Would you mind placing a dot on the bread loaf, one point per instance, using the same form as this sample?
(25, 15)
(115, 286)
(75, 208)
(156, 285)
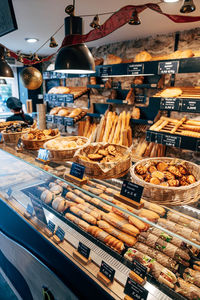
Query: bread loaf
(90, 219)
(75, 113)
(112, 59)
(84, 225)
(59, 90)
(142, 56)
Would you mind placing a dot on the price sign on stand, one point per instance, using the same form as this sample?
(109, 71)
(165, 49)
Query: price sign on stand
(168, 67)
(60, 233)
(132, 191)
(107, 271)
(77, 170)
(190, 105)
(43, 155)
(173, 141)
(135, 290)
(135, 69)
(139, 269)
(83, 250)
(51, 226)
(141, 99)
(38, 208)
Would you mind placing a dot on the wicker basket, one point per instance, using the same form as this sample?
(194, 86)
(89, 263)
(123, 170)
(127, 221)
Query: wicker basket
(170, 196)
(36, 144)
(104, 170)
(12, 137)
(59, 155)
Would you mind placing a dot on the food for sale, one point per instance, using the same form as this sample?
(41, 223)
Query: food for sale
(188, 290)
(171, 92)
(84, 225)
(143, 56)
(59, 90)
(183, 220)
(63, 143)
(16, 127)
(192, 276)
(80, 213)
(38, 135)
(112, 59)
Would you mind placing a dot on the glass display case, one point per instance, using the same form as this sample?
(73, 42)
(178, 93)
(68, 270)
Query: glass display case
(116, 250)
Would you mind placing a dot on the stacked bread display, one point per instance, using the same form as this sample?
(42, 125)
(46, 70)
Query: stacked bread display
(76, 91)
(75, 113)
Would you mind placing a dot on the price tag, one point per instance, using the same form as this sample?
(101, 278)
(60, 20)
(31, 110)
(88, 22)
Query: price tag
(170, 104)
(60, 233)
(9, 192)
(135, 69)
(139, 269)
(43, 154)
(132, 191)
(105, 71)
(173, 141)
(19, 143)
(59, 120)
(190, 105)
(134, 290)
(51, 226)
(83, 250)
(68, 121)
(38, 208)
(168, 67)
(29, 209)
(141, 99)
(108, 271)
(77, 170)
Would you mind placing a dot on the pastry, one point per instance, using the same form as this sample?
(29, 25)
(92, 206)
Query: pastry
(95, 157)
(59, 90)
(130, 96)
(82, 224)
(80, 213)
(181, 54)
(59, 204)
(142, 56)
(188, 290)
(75, 113)
(55, 110)
(47, 196)
(135, 113)
(162, 166)
(155, 181)
(112, 59)
(171, 93)
(63, 112)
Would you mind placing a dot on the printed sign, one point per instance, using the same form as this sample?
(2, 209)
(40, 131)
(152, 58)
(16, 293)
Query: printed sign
(105, 71)
(68, 121)
(83, 250)
(190, 105)
(168, 67)
(49, 118)
(132, 191)
(60, 233)
(135, 69)
(139, 269)
(59, 120)
(170, 104)
(77, 170)
(173, 141)
(108, 271)
(134, 290)
(51, 226)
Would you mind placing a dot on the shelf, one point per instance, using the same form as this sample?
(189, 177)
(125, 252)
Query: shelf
(49, 75)
(173, 140)
(191, 105)
(117, 101)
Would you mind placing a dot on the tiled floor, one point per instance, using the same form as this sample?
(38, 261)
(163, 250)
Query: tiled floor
(5, 291)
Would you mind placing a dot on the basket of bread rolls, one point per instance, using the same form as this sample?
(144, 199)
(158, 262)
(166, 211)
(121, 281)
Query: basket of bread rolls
(168, 181)
(64, 147)
(104, 160)
(14, 131)
(35, 139)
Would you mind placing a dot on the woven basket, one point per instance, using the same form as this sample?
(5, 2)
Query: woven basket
(36, 144)
(12, 137)
(59, 155)
(104, 170)
(170, 196)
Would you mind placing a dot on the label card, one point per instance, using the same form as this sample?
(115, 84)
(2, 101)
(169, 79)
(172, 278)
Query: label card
(139, 269)
(60, 233)
(68, 121)
(51, 226)
(83, 250)
(59, 120)
(135, 69)
(190, 105)
(77, 170)
(105, 71)
(170, 104)
(134, 290)
(38, 208)
(43, 154)
(168, 67)
(132, 191)
(141, 99)
(29, 209)
(49, 118)
(173, 141)
(106, 270)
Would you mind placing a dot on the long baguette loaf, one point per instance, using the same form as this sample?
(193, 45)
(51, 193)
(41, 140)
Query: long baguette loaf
(84, 225)
(116, 137)
(74, 197)
(89, 211)
(108, 126)
(169, 238)
(154, 207)
(113, 129)
(90, 219)
(101, 129)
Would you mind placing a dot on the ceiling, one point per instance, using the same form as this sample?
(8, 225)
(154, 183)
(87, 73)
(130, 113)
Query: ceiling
(41, 18)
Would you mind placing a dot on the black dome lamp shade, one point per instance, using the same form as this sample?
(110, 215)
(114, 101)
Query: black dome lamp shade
(5, 69)
(75, 59)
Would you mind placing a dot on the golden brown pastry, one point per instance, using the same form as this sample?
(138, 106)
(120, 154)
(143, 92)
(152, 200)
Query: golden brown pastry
(162, 166)
(75, 113)
(142, 56)
(112, 59)
(59, 90)
(181, 54)
(55, 110)
(155, 181)
(63, 112)
(135, 113)
(171, 92)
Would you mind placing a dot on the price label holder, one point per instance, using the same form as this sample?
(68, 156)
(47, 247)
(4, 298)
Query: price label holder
(59, 235)
(168, 67)
(49, 230)
(106, 273)
(43, 156)
(130, 194)
(29, 212)
(135, 69)
(135, 290)
(82, 253)
(59, 120)
(138, 272)
(76, 174)
(170, 104)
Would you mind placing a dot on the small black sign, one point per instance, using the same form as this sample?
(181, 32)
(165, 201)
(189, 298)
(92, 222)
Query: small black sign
(108, 271)
(190, 105)
(51, 226)
(168, 67)
(139, 269)
(83, 250)
(132, 191)
(68, 121)
(141, 99)
(59, 120)
(149, 136)
(134, 290)
(29, 209)
(49, 118)
(77, 170)
(170, 140)
(43, 154)
(38, 208)
(60, 233)
(135, 69)
(170, 104)
(105, 71)
(19, 143)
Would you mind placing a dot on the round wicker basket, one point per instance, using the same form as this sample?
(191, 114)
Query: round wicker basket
(106, 170)
(58, 155)
(36, 144)
(170, 196)
(12, 137)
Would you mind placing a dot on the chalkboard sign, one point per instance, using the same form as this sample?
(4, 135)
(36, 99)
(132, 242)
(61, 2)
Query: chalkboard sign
(68, 121)
(83, 250)
(60, 233)
(49, 118)
(51, 226)
(43, 154)
(139, 269)
(140, 99)
(131, 190)
(105, 71)
(19, 143)
(168, 67)
(170, 104)
(134, 290)
(173, 141)
(77, 170)
(108, 271)
(135, 69)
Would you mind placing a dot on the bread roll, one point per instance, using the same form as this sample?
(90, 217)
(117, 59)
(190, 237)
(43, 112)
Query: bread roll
(47, 196)
(181, 54)
(84, 225)
(171, 92)
(63, 112)
(90, 219)
(55, 110)
(74, 198)
(130, 96)
(59, 204)
(59, 90)
(112, 59)
(142, 56)
(75, 113)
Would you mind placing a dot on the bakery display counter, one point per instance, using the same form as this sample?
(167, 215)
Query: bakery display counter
(102, 236)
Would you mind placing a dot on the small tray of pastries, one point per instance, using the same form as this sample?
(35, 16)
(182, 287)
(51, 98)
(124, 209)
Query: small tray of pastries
(104, 160)
(72, 113)
(168, 181)
(34, 139)
(76, 91)
(64, 147)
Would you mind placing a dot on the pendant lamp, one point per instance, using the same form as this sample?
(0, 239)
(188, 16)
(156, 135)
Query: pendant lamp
(187, 7)
(75, 59)
(5, 69)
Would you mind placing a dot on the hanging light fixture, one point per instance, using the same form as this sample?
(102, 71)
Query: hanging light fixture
(5, 69)
(95, 23)
(75, 59)
(187, 7)
(53, 43)
(135, 20)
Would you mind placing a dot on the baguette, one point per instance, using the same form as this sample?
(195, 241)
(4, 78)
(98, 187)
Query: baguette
(129, 136)
(113, 129)
(101, 129)
(84, 225)
(108, 126)
(90, 219)
(169, 238)
(90, 210)
(163, 275)
(154, 207)
(138, 223)
(74, 198)
(116, 137)
(75, 113)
